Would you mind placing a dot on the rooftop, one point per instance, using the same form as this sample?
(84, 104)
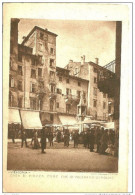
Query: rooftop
(37, 28)
(59, 69)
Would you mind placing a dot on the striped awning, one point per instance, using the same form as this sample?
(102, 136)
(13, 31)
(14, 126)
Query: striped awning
(30, 119)
(67, 120)
(14, 116)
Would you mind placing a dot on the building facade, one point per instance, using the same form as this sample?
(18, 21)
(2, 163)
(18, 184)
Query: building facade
(100, 105)
(56, 94)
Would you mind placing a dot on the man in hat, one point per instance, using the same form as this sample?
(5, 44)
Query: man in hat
(92, 140)
(24, 138)
(76, 139)
(43, 140)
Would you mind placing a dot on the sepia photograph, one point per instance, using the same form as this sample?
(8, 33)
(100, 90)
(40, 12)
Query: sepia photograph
(64, 90)
(67, 71)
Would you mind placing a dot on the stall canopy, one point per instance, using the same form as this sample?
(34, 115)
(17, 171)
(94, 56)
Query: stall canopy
(89, 121)
(67, 120)
(109, 125)
(14, 116)
(30, 119)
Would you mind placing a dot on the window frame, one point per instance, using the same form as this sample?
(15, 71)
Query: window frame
(20, 72)
(57, 105)
(51, 51)
(94, 103)
(67, 80)
(95, 80)
(51, 62)
(104, 105)
(41, 37)
(79, 83)
(41, 72)
(33, 77)
(31, 90)
(94, 69)
(94, 91)
(60, 79)
(20, 89)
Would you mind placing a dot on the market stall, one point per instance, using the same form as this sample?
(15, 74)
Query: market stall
(30, 121)
(14, 123)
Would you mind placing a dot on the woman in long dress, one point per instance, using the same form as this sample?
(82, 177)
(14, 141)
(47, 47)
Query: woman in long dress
(36, 142)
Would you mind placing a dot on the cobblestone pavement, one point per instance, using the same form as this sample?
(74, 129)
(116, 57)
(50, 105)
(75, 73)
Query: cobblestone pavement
(59, 158)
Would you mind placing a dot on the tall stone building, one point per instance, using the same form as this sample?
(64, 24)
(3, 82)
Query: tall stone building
(41, 93)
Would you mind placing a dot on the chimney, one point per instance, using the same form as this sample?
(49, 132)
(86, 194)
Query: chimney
(82, 59)
(70, 61)
(96, 61)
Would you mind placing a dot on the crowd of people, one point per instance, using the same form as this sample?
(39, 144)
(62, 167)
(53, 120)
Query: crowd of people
(99, 140)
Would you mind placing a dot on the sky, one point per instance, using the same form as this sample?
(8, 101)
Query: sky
(94, 39)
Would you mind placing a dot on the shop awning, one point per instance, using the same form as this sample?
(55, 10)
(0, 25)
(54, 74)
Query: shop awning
(30, 119)
(109, 125)
(89, 121)
(14, 116)
(67, 120)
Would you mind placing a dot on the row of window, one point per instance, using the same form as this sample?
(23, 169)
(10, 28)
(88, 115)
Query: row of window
(33, 72)
(68, 81)
(100, 117)
(20, 85)
(69, 92)
(34, 104)
(104, 105)
(40, 60)
(41, 48)
(52, 87)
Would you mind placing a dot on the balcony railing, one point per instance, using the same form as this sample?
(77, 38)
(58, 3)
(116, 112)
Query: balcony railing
(102, 118)
(71, 97)
(64, 111)
(52, 80)
(48, 109)
(52, 95)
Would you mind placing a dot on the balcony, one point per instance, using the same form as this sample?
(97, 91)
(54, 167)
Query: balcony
(49, 110)
(52, 80)
(52, 95)
(40, 92)
(40, 79)
(63, 111)
(101, 118)
(71, 98)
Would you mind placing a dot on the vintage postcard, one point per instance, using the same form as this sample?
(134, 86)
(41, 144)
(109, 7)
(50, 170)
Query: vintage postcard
(63, 97)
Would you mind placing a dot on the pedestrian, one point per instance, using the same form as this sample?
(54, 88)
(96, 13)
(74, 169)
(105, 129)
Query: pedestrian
(98, 137)
(66, 138)
(13, 134)
(33, 132)
(24, 138)
(104, 142)
(76, 139)
(85, 139)
(43, 140)
(50, 138)
(36, 142)
(92, 140)
(59, 136)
